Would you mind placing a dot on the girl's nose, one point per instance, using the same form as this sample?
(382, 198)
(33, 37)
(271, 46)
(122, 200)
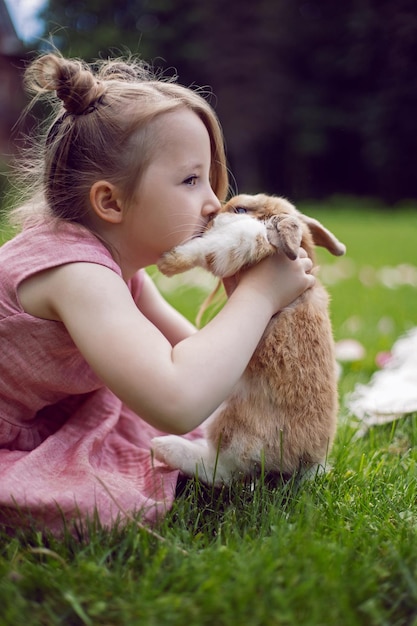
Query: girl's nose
(212, 206)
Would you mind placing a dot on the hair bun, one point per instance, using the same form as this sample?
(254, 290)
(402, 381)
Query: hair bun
(74, 82)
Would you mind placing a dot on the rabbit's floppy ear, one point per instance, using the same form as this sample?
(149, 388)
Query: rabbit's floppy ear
(285, 234)
(323, 237)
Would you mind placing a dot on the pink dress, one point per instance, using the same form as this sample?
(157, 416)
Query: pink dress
(69, 448)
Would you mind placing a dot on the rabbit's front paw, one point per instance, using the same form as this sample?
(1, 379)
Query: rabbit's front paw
(172, 262)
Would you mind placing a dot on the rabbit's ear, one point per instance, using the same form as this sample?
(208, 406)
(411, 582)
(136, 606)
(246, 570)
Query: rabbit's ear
(323, 237)
(285, 233)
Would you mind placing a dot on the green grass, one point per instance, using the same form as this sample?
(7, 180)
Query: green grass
(338, 551)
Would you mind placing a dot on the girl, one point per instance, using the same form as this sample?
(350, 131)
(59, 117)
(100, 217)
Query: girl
(130, 166)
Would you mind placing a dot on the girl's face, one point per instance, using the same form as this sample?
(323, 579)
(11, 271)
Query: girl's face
(174, 200)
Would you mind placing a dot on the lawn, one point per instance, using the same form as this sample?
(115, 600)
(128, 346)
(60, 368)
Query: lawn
(338, 551)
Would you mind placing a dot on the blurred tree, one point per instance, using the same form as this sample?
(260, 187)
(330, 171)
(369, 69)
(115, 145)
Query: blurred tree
(353, 120)
(92, 28)
(316, 97)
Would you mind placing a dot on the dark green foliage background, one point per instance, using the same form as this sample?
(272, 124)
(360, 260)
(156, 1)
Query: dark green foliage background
(315, 97)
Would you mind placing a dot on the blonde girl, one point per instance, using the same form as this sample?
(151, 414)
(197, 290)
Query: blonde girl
(94, 363)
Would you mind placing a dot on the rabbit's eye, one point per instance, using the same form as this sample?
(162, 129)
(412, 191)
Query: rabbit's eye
(240, 209)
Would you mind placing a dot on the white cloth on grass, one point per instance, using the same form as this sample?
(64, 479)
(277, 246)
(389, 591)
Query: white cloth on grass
(392, 391)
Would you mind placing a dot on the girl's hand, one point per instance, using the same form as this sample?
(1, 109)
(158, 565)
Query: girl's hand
(277, 278)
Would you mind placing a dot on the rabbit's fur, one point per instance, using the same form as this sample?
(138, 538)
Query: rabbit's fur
(282, 413)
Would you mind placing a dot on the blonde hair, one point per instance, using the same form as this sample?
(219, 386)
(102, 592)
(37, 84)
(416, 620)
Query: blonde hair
(101, 114)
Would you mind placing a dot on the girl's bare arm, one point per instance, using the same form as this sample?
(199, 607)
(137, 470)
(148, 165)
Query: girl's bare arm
(167, 319)
(173, 388)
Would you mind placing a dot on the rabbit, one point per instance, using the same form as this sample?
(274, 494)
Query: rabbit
(281, 417)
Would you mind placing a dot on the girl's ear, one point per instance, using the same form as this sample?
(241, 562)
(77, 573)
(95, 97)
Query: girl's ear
(106, 202)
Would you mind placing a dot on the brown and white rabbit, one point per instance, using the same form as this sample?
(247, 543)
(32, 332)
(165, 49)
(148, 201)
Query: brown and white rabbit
(282, 413)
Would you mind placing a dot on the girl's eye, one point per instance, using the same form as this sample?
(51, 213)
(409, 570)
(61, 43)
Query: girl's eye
(191, 180)
(240, 209)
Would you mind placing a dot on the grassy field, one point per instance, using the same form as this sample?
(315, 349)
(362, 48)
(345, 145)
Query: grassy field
(339, 551)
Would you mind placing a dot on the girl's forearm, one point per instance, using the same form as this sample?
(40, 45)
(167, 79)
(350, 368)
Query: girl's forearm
(207, 365)
(204, 368)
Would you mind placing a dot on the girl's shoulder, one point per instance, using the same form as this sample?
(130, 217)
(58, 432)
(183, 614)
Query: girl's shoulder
(47, 245)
